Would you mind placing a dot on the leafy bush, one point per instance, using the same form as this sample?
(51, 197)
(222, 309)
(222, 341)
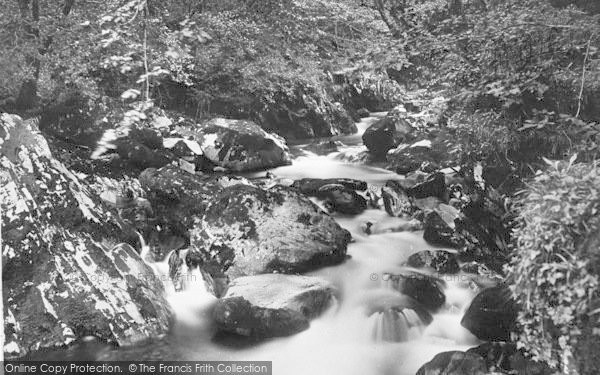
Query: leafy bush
(552, 273)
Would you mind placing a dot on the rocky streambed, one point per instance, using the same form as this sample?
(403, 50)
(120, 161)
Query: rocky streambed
(316, 260)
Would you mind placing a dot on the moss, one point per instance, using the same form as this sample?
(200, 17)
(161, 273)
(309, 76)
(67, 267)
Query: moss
(83, 319)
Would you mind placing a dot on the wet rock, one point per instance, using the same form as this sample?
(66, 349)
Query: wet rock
(340, 193)
(439, 260)
(428, 154)
(395, 198)
(392, 227)
(305, 114)
(366, 227)
(182, 147)
(448, 213)
(343, 199)
(406, 159)
(324, 148)
(246, 231)
(454, 363)
(384, 135)
(433, 186)
(358, 155)
(178, 197)
(424, 289)
(492, 314)
(311, 186)
(363, 112)
(238, 145)
(405, 167)
(481, 275)
(438, 232)
(61, 282)
(272, 305)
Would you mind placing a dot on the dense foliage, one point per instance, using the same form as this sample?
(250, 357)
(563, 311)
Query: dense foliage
(555, 268)
(234, 58)
(530, 66)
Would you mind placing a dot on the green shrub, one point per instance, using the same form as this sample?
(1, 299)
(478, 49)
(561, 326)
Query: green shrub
(554, 270)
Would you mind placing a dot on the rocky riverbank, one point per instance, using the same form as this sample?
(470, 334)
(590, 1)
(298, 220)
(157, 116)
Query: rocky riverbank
(77, 246)
(177, 201)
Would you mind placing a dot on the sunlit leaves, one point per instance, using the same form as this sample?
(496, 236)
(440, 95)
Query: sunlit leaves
(130, 94)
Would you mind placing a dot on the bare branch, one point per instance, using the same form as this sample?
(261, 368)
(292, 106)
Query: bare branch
(580, 99)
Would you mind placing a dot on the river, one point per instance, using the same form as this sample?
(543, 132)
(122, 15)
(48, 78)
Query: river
(345, 340)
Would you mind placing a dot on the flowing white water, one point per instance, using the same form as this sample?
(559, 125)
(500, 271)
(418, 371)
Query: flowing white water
(353, 337)
(358, 335)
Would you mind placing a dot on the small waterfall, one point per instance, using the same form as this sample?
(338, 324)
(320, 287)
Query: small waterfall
(145, 249)
(188, 289)
(396, 325)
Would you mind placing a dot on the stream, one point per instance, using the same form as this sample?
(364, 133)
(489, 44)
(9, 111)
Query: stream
(348, 339)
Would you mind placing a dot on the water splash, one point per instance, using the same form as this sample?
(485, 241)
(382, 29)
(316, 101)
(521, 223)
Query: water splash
(396, 325)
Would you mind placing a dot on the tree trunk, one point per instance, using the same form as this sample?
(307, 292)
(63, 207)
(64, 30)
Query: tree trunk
(387, 18)
(30, 15)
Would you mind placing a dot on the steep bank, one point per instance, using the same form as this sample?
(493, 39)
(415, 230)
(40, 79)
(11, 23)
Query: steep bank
(66, 273)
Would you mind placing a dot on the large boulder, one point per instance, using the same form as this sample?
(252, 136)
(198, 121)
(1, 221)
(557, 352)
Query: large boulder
(246, 230)
(239, 145)
(384, 135)
(61, 282)
(492, 314)
(272, 305)
(304, 114)
(455, 363)
(177, 197)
